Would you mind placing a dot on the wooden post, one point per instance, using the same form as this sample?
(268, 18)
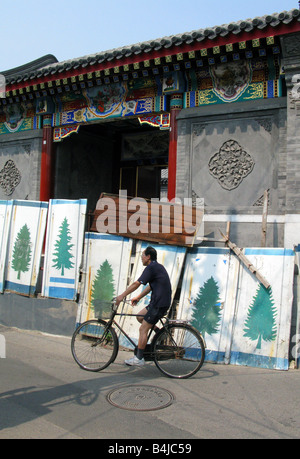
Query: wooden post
(228, 230)
(264, 219)
(245, 261)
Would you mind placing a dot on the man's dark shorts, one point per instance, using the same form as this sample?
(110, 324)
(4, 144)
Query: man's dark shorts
(154, 314)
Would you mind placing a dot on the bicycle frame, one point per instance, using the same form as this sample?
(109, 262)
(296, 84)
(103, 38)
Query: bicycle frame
(174, 340)
(111, 321)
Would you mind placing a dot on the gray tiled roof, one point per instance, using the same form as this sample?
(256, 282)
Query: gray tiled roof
(48, 65)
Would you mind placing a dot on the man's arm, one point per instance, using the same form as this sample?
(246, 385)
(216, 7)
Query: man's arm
(129, 290)
(145, 292)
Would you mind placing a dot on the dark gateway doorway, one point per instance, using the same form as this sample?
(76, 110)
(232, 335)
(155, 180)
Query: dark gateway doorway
(110, 156)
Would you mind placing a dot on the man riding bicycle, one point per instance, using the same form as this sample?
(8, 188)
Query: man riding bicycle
(158, 279)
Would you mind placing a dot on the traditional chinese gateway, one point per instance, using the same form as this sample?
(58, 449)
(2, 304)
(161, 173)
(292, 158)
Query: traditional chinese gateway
(214, 112)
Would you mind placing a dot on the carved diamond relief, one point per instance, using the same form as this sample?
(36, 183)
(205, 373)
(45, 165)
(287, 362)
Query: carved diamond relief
(230, 165)
(10, 177)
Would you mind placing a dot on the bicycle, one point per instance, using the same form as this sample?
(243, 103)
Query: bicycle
(177, 349)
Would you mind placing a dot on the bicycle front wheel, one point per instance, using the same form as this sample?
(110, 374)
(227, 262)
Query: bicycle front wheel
(178, 351)
(93, 346)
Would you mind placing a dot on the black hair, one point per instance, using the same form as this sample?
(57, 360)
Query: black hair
(152, 252)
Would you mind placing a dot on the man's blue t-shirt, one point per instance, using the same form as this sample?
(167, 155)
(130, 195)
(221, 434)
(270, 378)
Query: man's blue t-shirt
(156, 275)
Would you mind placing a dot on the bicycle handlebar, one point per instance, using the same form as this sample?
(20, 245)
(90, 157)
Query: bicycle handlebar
(114, 307)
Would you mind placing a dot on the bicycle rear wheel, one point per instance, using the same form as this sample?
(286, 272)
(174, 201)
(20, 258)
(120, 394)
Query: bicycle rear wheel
(178, 351)
(93, 346)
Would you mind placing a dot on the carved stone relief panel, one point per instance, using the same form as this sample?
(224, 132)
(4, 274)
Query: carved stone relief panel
(233, 161)
(10, 177)
(19, 174)
(230, 165)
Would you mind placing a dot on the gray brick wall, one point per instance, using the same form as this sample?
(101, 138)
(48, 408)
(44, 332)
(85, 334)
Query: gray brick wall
(291, 62)
(24, 149)
(198, 137)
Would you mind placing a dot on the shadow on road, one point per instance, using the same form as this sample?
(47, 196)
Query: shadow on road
(26, 404)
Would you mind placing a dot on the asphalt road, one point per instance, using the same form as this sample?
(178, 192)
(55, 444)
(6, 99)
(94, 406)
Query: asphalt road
(45, 395)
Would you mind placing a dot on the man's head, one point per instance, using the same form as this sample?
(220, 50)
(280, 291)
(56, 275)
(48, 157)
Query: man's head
(148, 255)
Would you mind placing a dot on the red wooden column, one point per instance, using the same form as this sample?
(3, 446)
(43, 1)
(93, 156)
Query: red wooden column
(175, 108)
(46, 160)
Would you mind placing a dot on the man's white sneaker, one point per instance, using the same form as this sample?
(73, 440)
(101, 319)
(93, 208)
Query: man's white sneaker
(134, 361)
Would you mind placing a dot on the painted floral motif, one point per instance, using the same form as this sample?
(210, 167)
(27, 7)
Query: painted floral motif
(231, 80)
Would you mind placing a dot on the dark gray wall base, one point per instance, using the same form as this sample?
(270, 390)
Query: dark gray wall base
(57, 317)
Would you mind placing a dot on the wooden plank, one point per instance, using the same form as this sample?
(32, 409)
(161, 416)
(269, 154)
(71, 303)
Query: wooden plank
(245, 261)
(264, 219)
(154, 209)
(153, 221)
(144, 221)
(228, 230)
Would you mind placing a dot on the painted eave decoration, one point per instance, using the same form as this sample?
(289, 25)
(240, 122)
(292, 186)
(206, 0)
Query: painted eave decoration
(45, 75)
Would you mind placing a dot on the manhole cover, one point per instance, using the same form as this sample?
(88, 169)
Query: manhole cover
(140, 398)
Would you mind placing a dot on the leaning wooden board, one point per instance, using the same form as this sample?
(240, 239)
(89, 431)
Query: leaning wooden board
(153, 221)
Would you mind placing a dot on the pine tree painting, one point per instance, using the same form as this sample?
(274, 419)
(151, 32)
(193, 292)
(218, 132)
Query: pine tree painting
(103, 290)
(62, 249)
(207, 308)
(260, 322)
(22, 251)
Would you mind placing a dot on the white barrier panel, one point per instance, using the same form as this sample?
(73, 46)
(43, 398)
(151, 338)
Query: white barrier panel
(242, 322)
(2, 347)
(207, 297)
(63, 249)
(263, 316)
(25, 244)
(5, 217)
(172, 258)
(105, 273)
